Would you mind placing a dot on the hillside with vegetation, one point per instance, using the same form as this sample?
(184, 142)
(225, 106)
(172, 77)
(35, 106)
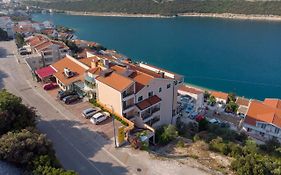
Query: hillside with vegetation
(163, 7)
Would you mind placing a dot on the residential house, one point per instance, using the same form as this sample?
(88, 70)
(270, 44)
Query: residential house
(243, 104)
(7, 25)
(263, 119)
(49, 50)
(196, 94)
(69, 74)
(220, 96)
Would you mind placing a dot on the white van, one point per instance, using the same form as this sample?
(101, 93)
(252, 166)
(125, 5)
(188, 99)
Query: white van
(99, 117)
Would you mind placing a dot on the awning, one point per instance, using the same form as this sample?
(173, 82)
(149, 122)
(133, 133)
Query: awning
(45, 72)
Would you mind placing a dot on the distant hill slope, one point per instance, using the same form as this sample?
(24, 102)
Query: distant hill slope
(164, 7)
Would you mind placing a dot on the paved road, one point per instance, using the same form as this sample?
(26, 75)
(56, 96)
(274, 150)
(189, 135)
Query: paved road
(77, 147)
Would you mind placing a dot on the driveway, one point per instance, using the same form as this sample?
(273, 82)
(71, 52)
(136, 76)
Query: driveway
(105, 128)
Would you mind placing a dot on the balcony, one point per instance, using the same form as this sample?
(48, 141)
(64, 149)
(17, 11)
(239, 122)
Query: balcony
(128, 107)
(127, 94)
(149, 113)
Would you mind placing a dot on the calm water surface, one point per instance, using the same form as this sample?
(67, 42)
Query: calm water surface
(227, 55)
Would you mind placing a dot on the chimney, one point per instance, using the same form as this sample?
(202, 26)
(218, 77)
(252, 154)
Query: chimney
(94, 63)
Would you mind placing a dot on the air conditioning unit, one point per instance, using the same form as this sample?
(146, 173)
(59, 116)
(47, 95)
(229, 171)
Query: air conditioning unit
(68, 73)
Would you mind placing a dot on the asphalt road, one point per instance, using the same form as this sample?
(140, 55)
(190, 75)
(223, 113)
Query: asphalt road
(77, 146)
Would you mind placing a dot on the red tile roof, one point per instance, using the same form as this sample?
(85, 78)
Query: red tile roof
(220, 95)
(73, 66)
(45, 72)
(148, 102)
(190, 89)
(116, 81)
(242, 101)
(261, 111)
(95, 70)
(275, 103)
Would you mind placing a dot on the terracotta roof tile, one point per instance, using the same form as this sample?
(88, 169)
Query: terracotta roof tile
(275, 103)
(190, 90)
(220, 95)
(86, 61)
(260, 111)
(74, 67)
(242, 101)
(116, 81)
(148, 102)
(96, 70)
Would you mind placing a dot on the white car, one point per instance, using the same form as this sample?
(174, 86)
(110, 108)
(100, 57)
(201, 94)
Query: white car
(99, 117)
(88, 113)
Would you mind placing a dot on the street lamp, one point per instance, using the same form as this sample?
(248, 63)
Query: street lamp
(113, 124)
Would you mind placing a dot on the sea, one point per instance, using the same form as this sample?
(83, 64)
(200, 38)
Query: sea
(239, 56)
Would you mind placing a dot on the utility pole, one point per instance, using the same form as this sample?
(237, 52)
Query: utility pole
(113, 124)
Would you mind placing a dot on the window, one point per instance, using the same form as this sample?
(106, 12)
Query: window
(263, 126)
(168, 86)
(140, 99)
(160, 89)
(150, 94)
(277, 130)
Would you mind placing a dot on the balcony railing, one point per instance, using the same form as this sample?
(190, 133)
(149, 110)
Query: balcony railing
(127, 106)
(126, 94)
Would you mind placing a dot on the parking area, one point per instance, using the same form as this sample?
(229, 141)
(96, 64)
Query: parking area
(189, 113)
(104, 128)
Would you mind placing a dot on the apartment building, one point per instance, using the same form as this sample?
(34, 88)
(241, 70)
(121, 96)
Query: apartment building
(141, 93)
(45, 51)
(263, 119)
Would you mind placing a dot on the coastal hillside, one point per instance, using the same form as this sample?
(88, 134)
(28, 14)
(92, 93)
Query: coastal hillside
(163, 7)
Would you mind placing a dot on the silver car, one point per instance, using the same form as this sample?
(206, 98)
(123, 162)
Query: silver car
(88, 113)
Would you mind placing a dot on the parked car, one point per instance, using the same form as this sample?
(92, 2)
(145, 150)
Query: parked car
(99, 117)
(71, 99)
(62, 94)
(214, 121)
(88, 113)
(49, 86)
(24, 51)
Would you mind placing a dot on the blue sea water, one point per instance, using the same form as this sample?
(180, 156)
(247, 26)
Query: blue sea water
(227, 55)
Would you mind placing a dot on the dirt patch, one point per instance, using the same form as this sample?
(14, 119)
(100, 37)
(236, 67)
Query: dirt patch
(197, 155)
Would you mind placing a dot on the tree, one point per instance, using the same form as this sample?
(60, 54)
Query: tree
(231, 97)
(231, 107)
(22, 147)
(206, 95)
(19, 40)
(3, 35)
(13, 114)
(46, 165)
(212, 100)
(203, 125)
(166, 134)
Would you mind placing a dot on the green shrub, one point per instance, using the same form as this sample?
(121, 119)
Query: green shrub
(165, 134)
(180, 143)
(219, 146)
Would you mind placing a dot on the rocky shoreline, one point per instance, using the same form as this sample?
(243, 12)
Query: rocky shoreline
(211, 15)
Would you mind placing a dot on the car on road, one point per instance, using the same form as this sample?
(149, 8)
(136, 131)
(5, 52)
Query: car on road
(62, 94)
(99, 117)
(71, 99)
(50, 86)
(88, 113)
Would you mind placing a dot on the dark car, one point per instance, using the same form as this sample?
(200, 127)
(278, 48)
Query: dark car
(62, 94)
(72, 99)
(49, 86)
